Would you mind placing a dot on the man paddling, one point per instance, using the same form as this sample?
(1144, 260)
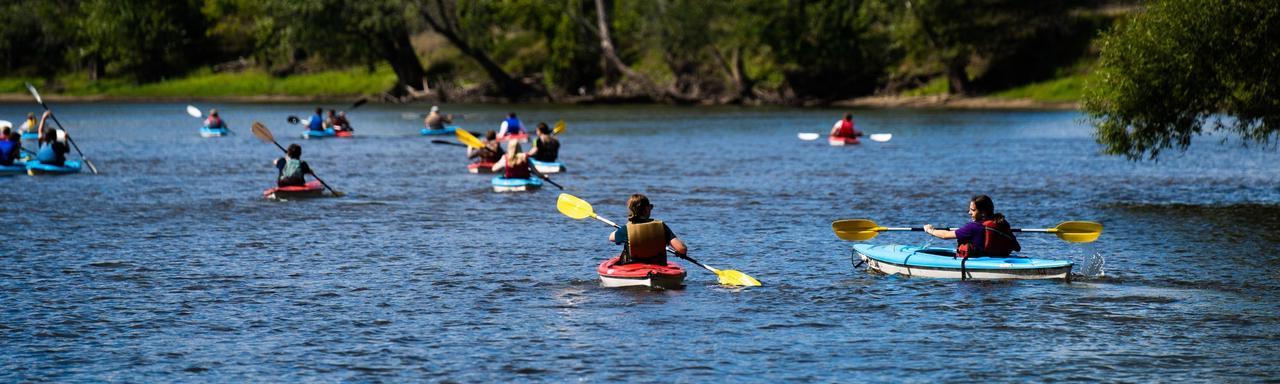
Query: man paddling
(435, 120)
(292, 168)
(214, 121)
(316, 123)
(845, 128)
(491, 152)
(510, 126)
(645, 240)
(10, 145)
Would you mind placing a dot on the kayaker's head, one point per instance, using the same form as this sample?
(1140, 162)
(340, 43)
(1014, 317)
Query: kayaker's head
(512, 115)
(31, 115)
(435, 108)
(50, 134)
(981, 208)
(333, 113)
(848, 116)
(638, 207)
(294, 151)
(491, 135)
(4, 133)
(543, 129)
(319, 110)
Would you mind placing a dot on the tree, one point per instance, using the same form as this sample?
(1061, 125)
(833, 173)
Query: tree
(148, 39)
(461, 26)
(36, 36)
(825, 47)
(1181, 67)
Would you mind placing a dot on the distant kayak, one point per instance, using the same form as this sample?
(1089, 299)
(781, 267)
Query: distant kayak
(443, 131)
(35, 167)
(502, 184)
(917, 261)
(640, 275)
(30, 135)
(344, 133)
(17, 168)
(213, 132)
(313, 134)
(310, 189)
(522, 137)
(837, 141)
(481, 167)
(547, 166)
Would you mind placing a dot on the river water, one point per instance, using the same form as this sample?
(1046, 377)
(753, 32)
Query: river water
(170, 266)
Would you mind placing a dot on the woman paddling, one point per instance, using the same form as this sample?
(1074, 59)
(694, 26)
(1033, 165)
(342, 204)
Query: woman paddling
(988, 234)
(52, 142)
(292, 168)
(515, 165)
(491, 152)
(546, 148)
(645, 239)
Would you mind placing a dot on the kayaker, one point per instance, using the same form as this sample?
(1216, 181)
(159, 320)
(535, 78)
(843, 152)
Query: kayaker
(10, 145)
(645, 239)
(546, 148)
(989, 234)
(29, 126)
(317, 120)
(435, 120)
(292, 168)
(52, 142)
(845, 127)
(331, 121)
(214, 122)
(340, 120)
(511, 126)
(490, 153)
(514, 165)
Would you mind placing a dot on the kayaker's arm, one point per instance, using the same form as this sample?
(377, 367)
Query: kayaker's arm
(939, 233)
(678, 246)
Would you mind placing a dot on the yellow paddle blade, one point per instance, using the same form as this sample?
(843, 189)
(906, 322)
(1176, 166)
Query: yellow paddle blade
(1078, 231)
(559, 128)
(574, 207)
(468, 139)
(856, 229)
(732, 277)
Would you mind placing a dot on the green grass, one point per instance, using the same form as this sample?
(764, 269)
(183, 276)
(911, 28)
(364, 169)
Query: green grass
(937, 86)
(208, 84)
(1063, 89)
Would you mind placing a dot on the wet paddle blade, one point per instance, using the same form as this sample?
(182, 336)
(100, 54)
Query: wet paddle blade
(1078, 231)
(574, 207)
(559, 128)
(262, 132)
(32, 88)
(807, 136)
(193, 111)
(856, 229)
(293, 120)
(468, 139)
(732, 277)
(881, 137)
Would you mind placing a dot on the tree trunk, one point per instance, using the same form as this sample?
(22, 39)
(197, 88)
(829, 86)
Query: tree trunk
(957, 76)
(446, 24)
(95, 67)
(611, 55)
(395, 48)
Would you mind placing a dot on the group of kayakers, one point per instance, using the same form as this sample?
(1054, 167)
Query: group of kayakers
(336, 120)
(513, 161)
(52, 144)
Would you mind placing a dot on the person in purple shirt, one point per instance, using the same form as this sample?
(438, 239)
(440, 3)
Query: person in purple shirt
(972, 234)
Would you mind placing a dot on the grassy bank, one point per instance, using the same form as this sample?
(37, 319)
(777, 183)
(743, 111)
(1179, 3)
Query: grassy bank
(208, 84)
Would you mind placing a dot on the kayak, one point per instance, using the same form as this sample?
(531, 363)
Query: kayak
(312, 134)
(35, 167)
(640, 275)
(502, 184)
(213, 132)
(30, 135)
(481, 167)
(310, 189)
(548, 166)
(17, 168)
(344, 133)
(837, 141)
(908, 260)
(443, 131)
(521, 137)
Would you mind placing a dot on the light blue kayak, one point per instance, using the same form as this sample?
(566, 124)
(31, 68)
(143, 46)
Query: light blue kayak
(448, 130)
(547, 166)
(917, 261)
(35, 167)
(311, 134)
(502, 184)
(213, 132)
(17, 168)
(30, 135)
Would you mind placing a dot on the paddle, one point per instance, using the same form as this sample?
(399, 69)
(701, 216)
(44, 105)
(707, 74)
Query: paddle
(559, 128)
(263, 133)
(1070, 231)
(579, 209)
(471, 141)
(32, 88)
(438, 141)
(876, 137)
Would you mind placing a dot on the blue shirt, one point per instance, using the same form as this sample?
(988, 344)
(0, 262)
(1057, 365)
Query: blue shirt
(6, 152)
(974, 234)
(514, 127)
(316, 123)
(53, 153)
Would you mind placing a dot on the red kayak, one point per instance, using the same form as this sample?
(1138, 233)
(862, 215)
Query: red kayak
(311, 189)
(640, 275)
(522, 137)
(344, 133)
(837, 141)
(481, 167)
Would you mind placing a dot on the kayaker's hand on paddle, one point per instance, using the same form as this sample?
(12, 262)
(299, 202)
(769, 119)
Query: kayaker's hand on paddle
(928, 228)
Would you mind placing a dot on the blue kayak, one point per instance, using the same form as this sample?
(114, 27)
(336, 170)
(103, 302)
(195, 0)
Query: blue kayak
(547, 166)
(502, 184)
(17, 168)
(35, 167)
(213, 132)
(445, 131)
(30, 135)
(908, 260)
(312, 134)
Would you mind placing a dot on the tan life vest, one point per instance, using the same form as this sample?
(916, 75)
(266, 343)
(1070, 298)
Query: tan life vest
(647, 240)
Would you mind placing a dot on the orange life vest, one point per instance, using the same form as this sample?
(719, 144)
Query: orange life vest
(846, 129)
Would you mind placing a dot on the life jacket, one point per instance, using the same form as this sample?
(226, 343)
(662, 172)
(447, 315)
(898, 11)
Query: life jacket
(292, 172)
(548, 150)
(214, 122)
(515, 172)
(846, 129)
(29, 126)
(6, 151)
(647, 242)
(998, 240)
(513, 126)
(316, 123)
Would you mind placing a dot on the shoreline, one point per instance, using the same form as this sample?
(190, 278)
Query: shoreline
(868, 102)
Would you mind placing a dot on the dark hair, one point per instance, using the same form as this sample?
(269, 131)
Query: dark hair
(848, 116)
(542, 128)
(294, 151)
(491, 135)
(50, 135)
(636, 206)
(513, 114)
(6, 133)
(319, 110)
(987, 209)
(332, 112)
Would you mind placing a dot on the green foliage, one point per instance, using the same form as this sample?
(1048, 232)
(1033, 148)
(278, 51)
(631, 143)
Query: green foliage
(1182, 67)
(148, 39)
(208, 84)
(826, 48)
(1064, 89)
(937, 86)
